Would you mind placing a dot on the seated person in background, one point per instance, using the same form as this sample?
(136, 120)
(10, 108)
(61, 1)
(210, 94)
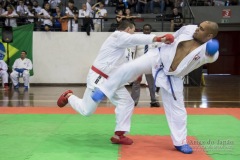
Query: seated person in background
(177, 20)
(4, 74)
(21, 68)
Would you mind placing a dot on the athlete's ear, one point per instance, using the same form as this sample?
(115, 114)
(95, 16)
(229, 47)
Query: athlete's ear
(127, 29)
(210, 36)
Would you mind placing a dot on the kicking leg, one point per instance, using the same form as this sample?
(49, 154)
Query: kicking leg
(85, 106)
(127, 72)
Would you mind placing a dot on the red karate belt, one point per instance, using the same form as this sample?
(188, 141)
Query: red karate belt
(99, 72)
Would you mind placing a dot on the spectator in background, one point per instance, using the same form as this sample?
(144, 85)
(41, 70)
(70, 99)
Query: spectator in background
(227, 3)
(4, 74)
(125, 2)
(100, 12)
(36, 6)
(119, 6)
(54, 4)
(2, 10)
(129, 16)
(28, 2)
(169, 4)
(22, 11)
(47, 18)
(89, 8)
(136, 86)
(13, 3)
(57, 24)
(119, 17)
(177, 20)
(38, 9)
(234, 2)
(9, 15)
(160, 3)
(132, 5)
(31, 14)
(21, 68)
(72, 14)
(141, 6)
(87, 23)
(231, 3)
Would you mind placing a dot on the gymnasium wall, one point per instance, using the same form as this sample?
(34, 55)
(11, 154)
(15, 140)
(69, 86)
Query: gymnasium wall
(62, 57)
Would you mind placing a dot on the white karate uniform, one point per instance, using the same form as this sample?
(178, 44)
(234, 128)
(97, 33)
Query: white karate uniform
(110, 57)
(19, 63)
(174, 109)
(3, 71)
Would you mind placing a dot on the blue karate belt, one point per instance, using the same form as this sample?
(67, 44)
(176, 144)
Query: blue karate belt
(169, 79)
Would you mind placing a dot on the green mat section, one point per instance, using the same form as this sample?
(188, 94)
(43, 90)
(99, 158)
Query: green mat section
(219, 135)
(73, 137)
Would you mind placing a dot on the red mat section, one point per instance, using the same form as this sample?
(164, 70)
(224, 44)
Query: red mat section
(158, 148)
(110, 110)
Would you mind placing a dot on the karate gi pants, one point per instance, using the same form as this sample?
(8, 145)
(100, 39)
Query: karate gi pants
(174, 109)
(121, 99)
(15, 77)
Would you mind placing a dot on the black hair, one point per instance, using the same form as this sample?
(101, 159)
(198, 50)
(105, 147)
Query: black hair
(24, 51)
(147, 25)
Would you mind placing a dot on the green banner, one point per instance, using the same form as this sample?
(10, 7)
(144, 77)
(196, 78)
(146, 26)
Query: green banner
(22, 40)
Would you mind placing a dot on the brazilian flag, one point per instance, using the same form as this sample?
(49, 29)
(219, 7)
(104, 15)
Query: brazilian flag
(22, 40)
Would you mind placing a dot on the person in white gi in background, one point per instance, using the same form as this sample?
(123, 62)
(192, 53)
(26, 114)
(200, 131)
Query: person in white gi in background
(193, 46)
(4, 74)
(110, 57)
(21, 68)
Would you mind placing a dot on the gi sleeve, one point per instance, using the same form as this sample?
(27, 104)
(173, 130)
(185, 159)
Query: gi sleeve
(126, 40)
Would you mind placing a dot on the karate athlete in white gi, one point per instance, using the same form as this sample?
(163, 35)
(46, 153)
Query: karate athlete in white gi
(110, 57)
(4, 74)
(21, 68)
(192, 47)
